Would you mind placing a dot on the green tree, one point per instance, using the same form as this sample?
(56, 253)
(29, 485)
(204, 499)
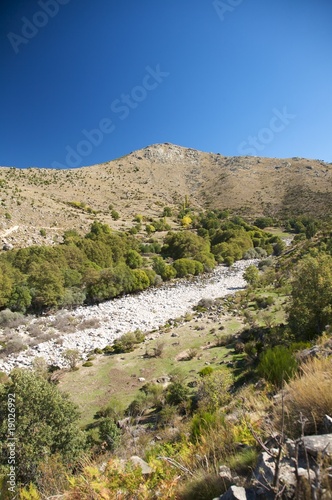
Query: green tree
(251, 275)
(45, 424)
(110, 433)
(185, 267)
(6, 283)
(189, 245)
(164, 270)
(133, 259)
(311, 298)
(46, 285)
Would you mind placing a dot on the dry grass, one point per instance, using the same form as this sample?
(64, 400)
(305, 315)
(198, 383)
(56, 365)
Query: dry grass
(309, 394)
(146, 180)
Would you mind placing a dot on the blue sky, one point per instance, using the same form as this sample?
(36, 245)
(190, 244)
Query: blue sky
(87, 81)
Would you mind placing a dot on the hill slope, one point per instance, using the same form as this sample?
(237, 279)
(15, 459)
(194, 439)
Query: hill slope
(146, 180)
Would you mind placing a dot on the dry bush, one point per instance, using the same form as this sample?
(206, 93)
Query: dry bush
(88, 323)
(309, 394)
(11, 319)
(34, 330)
(12, 347)
(65, 323)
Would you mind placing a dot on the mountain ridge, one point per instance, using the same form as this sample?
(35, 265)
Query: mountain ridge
(144, 181)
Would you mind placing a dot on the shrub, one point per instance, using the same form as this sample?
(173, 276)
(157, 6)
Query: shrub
(159, 349)
(127, 342)
(164, 270)
(251, 275)
(213, 390)
(277, 365)
(167, 212)
(88, 363)
(207, 370)
(133, 259)
(186, 267)
(110, 433)
(141, 280)
(72, 356)
(115, 215)
(200, 423)
(11, 319)
(176, 393)
(263, 222)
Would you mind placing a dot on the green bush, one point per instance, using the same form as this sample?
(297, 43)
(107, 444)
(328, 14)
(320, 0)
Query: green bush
(200, 423)
(186, 267)
(109, 433)
(277, 365)
(88, 363)
(177, 393)
(207, 370)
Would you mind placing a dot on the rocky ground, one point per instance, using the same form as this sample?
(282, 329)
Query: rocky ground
(101, 324)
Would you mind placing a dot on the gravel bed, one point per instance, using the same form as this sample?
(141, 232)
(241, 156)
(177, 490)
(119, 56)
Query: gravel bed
(145, 311)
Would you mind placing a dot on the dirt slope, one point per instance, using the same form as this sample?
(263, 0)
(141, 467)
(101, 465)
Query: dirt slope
(146, 180)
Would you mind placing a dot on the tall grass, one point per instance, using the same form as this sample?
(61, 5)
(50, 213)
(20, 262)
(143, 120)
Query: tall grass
(309, 395)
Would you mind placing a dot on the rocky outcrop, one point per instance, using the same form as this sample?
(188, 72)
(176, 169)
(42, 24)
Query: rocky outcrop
(299, 465)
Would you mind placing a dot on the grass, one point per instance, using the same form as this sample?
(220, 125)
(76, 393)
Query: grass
(309, 394)
(116, 376)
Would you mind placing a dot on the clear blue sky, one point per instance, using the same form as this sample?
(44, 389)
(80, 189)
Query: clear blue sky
(229, 76)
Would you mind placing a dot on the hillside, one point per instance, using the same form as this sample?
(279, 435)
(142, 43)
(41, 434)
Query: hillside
(146, 180)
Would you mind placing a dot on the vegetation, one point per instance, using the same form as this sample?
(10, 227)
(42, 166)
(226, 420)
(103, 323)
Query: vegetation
(45, 425)
(188, 404)
(104, 264)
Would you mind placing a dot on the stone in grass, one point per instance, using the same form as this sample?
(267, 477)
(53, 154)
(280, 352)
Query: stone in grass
(145, 467)
(238, 493)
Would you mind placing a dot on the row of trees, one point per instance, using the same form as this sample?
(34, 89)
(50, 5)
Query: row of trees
(104, 264)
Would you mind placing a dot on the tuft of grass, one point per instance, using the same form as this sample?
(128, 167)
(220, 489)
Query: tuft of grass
(309, 394)
(244, 461)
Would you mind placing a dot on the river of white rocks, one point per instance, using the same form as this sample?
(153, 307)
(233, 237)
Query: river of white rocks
(146, 311)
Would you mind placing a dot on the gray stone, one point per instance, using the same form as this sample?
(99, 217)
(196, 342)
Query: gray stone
(7, 246)
(226, 474)
(145, 467)
(327, 422)
(265, 471)
(316, 445)
(238, 493)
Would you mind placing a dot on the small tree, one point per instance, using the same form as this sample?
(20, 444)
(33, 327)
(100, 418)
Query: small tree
(72, 356)
(251, 275)
(109, 432)
(45, 424)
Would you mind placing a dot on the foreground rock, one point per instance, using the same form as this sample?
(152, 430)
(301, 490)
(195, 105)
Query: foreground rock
(145, 311)
(301, 468)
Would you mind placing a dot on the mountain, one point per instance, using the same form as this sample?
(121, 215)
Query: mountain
(144, 181)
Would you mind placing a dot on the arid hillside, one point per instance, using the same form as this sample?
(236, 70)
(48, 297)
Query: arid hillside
(37, 205)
